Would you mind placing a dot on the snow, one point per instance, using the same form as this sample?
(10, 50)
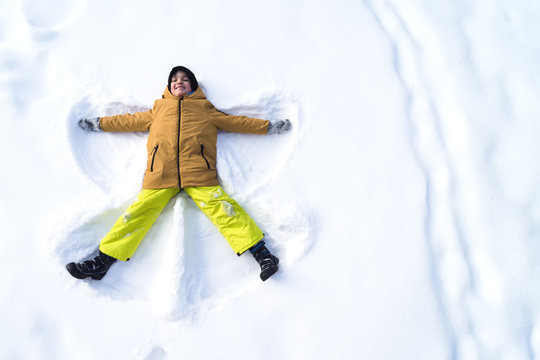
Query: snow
(404, 203)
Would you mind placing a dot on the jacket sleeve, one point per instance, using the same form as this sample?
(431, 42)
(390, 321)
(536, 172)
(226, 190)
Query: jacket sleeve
(236, 123)
(139, 121)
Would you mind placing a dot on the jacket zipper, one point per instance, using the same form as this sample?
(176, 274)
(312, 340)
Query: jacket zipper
(178, 157)
(204, 157)
(153, 157)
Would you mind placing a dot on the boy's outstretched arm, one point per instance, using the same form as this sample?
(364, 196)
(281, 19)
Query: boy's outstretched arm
(244, 124)
(140, 121)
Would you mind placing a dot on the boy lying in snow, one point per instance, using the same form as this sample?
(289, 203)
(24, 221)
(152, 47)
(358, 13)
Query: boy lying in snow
(182, 153)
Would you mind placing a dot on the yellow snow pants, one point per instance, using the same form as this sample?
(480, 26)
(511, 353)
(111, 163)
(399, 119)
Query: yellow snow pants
(232, 221)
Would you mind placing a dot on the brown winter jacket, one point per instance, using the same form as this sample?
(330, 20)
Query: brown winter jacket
(191, 121)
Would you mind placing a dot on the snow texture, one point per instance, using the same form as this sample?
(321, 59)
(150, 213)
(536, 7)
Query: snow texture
(403, 204)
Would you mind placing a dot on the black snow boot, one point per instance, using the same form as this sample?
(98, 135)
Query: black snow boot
(268, 262)
(95, 268)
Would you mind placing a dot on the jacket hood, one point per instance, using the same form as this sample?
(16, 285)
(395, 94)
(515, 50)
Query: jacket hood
(197, 94)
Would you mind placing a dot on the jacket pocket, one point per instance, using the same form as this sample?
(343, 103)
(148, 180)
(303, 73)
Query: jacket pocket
(204, 157)
(153, 158)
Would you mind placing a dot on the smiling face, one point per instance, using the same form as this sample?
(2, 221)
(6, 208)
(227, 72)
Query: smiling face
(180, 84)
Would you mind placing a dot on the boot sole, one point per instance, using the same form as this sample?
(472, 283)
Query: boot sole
(269, 272)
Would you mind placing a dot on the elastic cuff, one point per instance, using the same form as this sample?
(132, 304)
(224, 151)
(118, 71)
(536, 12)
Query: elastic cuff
(252, 246)
(113, 256)
(256, 246)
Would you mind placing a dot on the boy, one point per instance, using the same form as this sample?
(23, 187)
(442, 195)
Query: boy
(182, 152)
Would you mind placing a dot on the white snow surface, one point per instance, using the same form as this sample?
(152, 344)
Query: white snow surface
(404, 204)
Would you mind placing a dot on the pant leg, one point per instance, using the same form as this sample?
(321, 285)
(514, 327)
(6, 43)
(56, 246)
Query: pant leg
(232, 221)
(129, 230)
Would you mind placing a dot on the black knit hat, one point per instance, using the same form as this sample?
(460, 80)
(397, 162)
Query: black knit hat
(192, 79)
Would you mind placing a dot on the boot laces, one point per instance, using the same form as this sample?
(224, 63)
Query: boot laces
(88, 265)
(93, 264)
(267, 262)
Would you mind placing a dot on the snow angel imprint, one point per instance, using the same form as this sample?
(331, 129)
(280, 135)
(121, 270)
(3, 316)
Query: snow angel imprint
(182, 151)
